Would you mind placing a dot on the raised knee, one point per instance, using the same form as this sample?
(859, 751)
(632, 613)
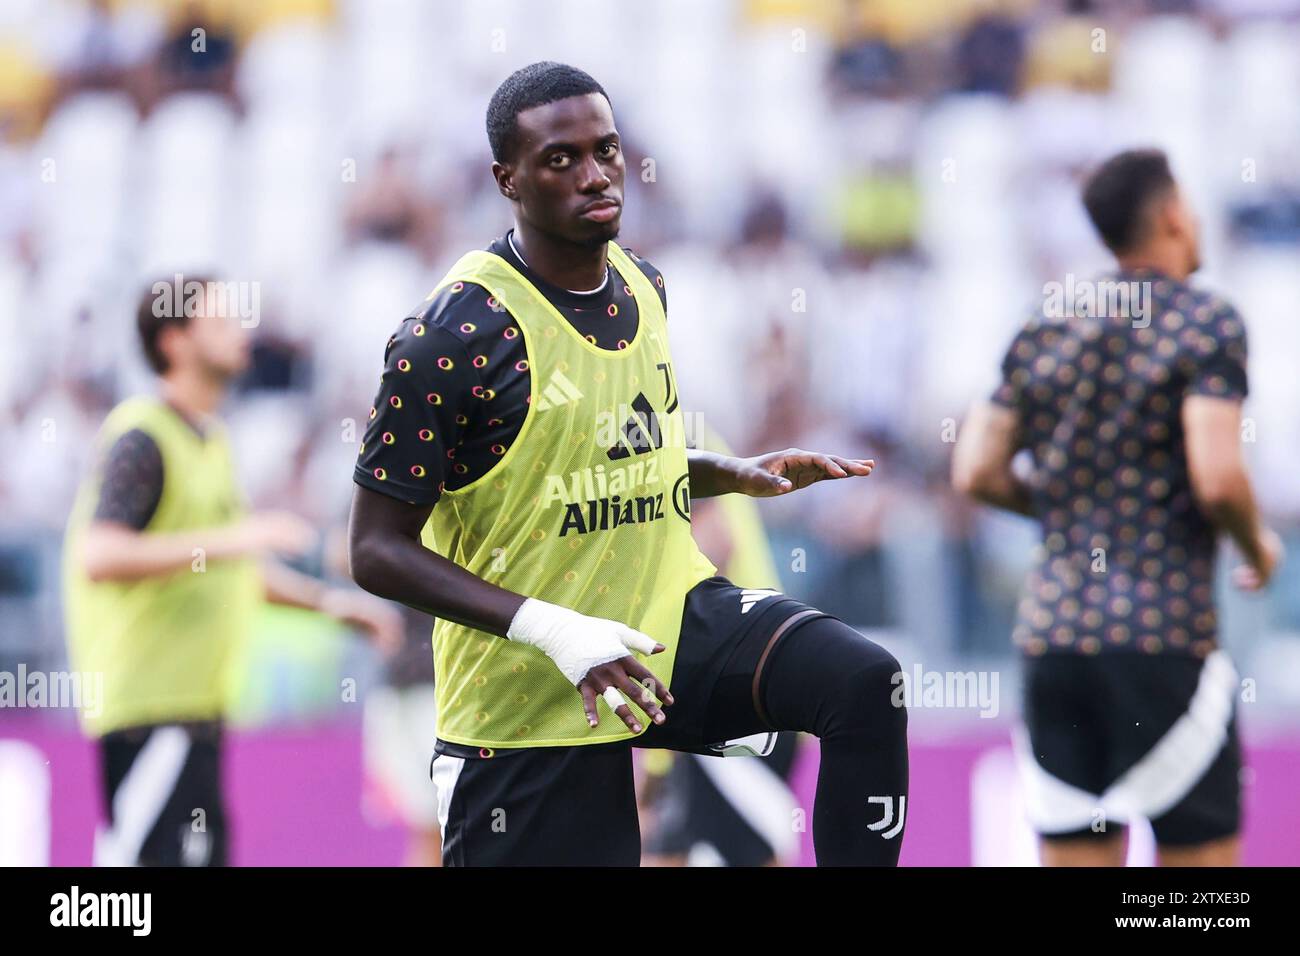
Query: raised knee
(828, 679)
(865, 682)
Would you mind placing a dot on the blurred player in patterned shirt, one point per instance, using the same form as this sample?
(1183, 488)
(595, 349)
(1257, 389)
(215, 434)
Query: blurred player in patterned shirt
(1129, 405)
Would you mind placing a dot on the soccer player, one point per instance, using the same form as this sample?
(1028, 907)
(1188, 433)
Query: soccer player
(1132, 415)
(525, 479)
(163, 570)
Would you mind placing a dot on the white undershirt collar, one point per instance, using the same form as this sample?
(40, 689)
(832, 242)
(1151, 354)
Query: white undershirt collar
(510, 238)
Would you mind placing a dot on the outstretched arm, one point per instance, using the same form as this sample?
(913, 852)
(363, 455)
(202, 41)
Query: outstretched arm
(379, 621)
(776, 473)
(111, 551)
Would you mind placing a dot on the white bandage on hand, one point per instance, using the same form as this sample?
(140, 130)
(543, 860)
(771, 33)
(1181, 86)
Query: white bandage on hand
(575, 642)
(613, 697)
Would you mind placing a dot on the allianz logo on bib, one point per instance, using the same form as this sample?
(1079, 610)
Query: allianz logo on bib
(601, 499)
(608, 513)
(605, 514)
(598, 482)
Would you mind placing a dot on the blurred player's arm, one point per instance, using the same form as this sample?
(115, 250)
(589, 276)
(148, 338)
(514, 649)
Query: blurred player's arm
(1216, 466)
(117, 552)
(763, 476)
(378, 620)
(1217, 469)
(990, 437)
(116, 546)
(981, 462)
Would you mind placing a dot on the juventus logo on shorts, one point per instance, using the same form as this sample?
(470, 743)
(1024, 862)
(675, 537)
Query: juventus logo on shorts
(888, 817)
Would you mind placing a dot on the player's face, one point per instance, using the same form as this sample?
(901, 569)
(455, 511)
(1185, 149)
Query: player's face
(219, 343)
(567, 173)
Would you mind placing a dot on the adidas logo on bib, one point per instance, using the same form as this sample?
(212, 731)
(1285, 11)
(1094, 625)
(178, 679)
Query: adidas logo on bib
(559, 391)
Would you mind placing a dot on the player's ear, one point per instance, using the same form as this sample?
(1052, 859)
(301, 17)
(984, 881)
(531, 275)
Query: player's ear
(504, 174)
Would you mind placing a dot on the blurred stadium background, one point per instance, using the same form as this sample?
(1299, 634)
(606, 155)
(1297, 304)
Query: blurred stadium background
(889, 183)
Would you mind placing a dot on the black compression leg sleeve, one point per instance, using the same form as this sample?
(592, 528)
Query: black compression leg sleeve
(825, 678)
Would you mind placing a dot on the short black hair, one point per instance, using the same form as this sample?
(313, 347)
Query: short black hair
(161, 306)
(534, 85)
(1118, 194)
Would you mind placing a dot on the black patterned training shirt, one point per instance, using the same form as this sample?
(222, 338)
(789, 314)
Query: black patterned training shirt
(1127, 558)
(457, 367)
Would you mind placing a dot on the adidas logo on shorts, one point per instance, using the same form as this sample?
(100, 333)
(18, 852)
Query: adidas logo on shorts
(751, 596)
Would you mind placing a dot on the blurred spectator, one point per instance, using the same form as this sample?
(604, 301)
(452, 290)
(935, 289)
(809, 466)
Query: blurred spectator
(105, 45)
(198, 52)
(989, 56)
(1072, 51)
(868, 67)
(390, 206)
(25, 88)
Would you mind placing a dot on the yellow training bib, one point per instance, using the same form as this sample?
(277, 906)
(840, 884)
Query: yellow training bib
(162, 644)
(588, 509)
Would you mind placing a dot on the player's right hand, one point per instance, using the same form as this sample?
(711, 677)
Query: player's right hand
(592, 653)
(1254, 576)
(625, 676)
(279, 532)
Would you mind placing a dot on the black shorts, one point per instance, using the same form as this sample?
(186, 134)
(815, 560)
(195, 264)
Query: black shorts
(558, 806)
(162, 794)
(1117, 736)
(729, 812)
